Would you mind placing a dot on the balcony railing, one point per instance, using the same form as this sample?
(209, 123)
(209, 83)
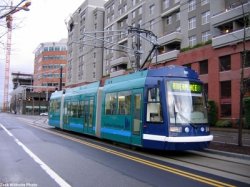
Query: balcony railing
(118, 61)
(230, 38)
(229, 15)
(173, 37)
(171, 55)
(117, 73)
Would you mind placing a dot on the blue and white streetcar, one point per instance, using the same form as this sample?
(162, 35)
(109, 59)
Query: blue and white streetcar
(162, 108)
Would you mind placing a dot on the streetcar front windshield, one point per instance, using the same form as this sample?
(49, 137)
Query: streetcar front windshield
(186, 103)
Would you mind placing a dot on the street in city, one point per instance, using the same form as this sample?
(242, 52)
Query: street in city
(34, 154)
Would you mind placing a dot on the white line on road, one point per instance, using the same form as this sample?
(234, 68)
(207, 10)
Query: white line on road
(45, 167)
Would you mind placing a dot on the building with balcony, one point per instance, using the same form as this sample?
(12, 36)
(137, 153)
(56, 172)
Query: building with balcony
(202, 34)
(177, 24)
(228, 22)
(206, 36)
(50, 66)
(85, 45)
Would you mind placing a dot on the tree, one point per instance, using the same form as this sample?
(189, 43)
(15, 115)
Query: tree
(242, 82)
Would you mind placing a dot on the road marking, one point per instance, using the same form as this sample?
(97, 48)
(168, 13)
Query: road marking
(142, 161)
(45, 167)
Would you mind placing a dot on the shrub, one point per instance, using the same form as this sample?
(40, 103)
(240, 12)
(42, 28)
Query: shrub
(223, 123)
(247, 112)
(212, 112)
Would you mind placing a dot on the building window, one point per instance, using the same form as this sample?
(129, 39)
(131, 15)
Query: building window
(140, 22)
(152, 9)
(226, 110)
(125, 8)
(191, 5)
(247, 62)
(225, 63)
(192, 23)
(203, 67)
(140, 10)
(203, 2)
(169, 20)
(205, 36)
(151, 23)
(225, 89)
(192, 41)
(178, 16)
(133, 2)
(133, 14)
(205, 18)
(165, 4)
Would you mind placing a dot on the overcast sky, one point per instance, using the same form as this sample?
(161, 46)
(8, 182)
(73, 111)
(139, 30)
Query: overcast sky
(45, 22)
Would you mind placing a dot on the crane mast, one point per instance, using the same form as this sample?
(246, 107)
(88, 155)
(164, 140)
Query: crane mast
(7, 64)
(9, 20)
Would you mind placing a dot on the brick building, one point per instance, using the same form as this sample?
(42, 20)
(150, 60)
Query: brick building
(50, 57)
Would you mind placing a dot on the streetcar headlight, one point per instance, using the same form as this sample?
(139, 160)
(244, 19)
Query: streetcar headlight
(187, 130)
(207, 129)
(175, 129)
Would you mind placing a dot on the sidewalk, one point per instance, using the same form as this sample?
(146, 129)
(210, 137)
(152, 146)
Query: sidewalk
(245, 131)
(222, 137)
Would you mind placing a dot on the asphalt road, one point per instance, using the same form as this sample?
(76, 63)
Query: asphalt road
(35, 156)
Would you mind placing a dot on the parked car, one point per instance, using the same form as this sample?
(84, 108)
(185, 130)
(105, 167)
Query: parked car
(44, 114)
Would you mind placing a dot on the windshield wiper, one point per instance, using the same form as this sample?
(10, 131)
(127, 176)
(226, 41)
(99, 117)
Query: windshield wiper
(187, 120)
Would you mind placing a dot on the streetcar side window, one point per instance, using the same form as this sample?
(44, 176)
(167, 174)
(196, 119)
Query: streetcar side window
(154, 108)
(74, 109)
(111, 104)
(55, 106)
(124, 102)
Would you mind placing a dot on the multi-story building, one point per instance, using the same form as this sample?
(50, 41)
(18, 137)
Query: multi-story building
(205, 35)
(49, 66)
(177, 25)
(85, 46)
(21, 79)
(23, 98)
(208, 36)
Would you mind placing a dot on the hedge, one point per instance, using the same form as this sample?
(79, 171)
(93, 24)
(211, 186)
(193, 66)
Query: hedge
(223, 123)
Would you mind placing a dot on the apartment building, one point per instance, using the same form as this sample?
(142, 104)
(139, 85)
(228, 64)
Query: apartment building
(206, 35)
(85, 45)
(49, 65)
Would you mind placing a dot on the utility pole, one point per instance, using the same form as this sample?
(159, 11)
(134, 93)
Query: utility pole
(60, 84)
(242, 85)
(137, 54)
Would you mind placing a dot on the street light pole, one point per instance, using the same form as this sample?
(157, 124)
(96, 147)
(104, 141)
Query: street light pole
(60, 84)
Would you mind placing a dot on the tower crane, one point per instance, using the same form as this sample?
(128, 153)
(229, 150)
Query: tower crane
(9, 20)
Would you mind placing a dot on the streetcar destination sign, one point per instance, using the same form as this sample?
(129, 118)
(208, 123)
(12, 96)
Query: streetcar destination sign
(186, 87)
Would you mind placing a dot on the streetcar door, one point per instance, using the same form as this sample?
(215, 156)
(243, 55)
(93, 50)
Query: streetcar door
(137, 116)
(88, 115)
